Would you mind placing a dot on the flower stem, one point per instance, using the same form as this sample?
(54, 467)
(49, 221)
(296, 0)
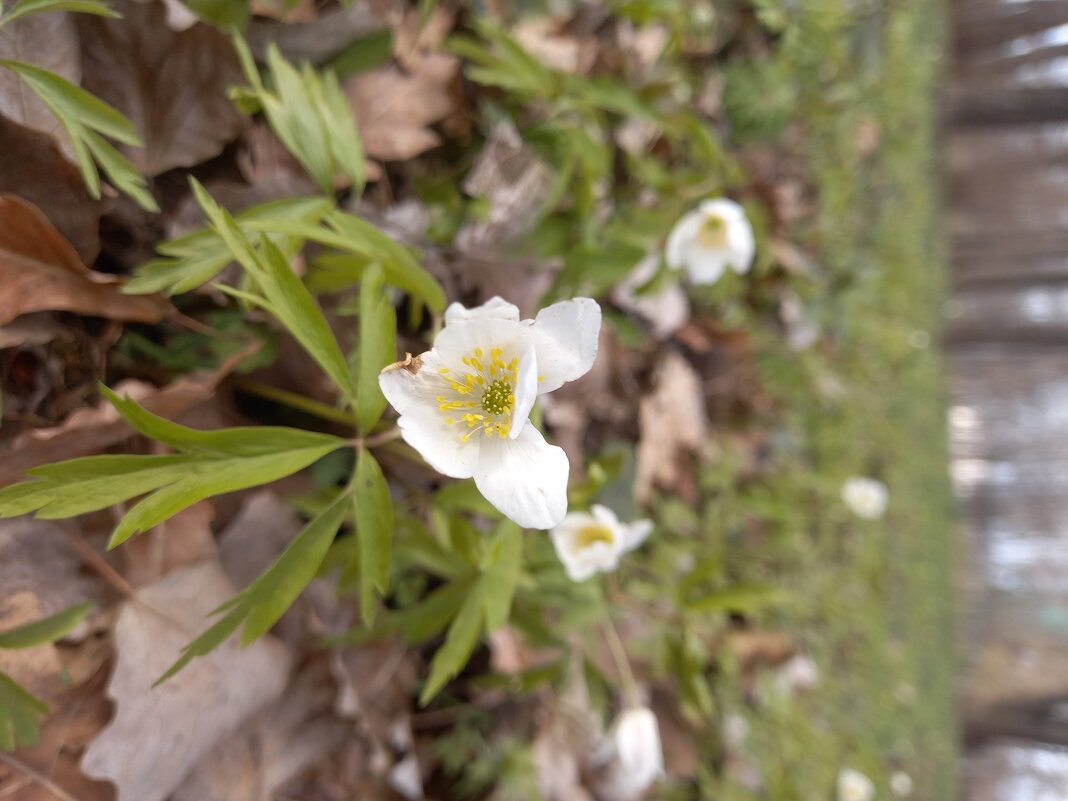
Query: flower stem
(293, 400)
(619, 654)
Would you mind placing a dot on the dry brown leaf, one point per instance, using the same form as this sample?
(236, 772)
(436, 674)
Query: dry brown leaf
(316, 41)
(393, 108)
(544, 40)
(91, 430)
(47, 41)
(159, 735)
(274, 746)
(182, 541)
(36, 556)
(262, 529)
(515, 181)
(36, 669)
(32, 167)
(78, 715)
(171, 84)
(673, 425)
(40, 270)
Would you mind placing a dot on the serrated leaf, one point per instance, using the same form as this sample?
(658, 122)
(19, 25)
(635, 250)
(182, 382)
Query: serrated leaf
(77, 486)
(47, 630)
(193, 260)
(374, 527)
(226, 442)
(284, 293)
(376, 348)
(346, 232)
(20, 716)
(460, 641)
(265, 600)
(24, 8)
(210, 477)
(310, 116)
(84, 118)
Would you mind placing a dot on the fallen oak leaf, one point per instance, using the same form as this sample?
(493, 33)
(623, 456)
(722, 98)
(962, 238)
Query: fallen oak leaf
(171, 84)
(40, 270)
(160, 734)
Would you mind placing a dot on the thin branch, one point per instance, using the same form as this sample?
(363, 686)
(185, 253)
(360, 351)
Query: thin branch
(39, 778)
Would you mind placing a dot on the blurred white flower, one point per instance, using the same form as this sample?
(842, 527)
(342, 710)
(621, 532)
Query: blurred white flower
(706, 241)
(854, 786)
(798, 674)
(638, 756)
(865, 497)
(901, 784)
(592, 543)
(464, 404)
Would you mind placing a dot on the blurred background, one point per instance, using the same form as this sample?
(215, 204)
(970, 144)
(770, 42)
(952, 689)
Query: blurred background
(1008, 421)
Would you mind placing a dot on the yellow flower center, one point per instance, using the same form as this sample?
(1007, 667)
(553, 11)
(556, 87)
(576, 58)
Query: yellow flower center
(588, 535)
(712, 234)
(492, 381)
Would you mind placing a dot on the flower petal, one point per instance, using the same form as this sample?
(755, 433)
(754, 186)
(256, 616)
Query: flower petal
(495, 308)
(681, 238)
(411, 388)
(636, 534)
(742, 245)
(565, 336)
(525, 478)
(706, 265)
(526, 392)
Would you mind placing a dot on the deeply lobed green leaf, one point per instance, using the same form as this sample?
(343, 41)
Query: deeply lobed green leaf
(46, 630)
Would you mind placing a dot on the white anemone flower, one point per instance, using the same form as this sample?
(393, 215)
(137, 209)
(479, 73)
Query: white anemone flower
(464, 404)
(865, 497)
(854, 786)
(901, 784)
(592, 543)
(638, 756)
(706, 241)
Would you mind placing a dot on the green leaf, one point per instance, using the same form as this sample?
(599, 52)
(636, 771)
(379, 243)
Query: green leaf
(265, 600)
(309, 113)
(193, 260)
(84, 118)
(377, 347)
(283, 292)
(213, 462)
(226, 442)
(460, 641)
(224, 14)
(47, 630)
(374, 526)
(740, 598)
(20, 716)
(211, 477)
(77, 486)
(346, 232)
(24, 8)
(500, 573)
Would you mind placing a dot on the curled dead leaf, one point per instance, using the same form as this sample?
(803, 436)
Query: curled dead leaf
(40, 270)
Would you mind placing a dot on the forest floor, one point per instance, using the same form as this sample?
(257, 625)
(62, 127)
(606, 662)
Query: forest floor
(778, 636)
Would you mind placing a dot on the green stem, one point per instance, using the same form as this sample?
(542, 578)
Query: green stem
(294, 400)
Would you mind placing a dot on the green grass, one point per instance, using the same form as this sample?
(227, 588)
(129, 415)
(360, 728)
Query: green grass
(870, 601)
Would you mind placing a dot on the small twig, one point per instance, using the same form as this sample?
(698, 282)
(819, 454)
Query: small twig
(619, 654)
(199, 327)
(40, 779)
(100, 565)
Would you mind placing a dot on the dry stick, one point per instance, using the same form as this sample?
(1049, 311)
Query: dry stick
(619, 654)
(42, 780)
